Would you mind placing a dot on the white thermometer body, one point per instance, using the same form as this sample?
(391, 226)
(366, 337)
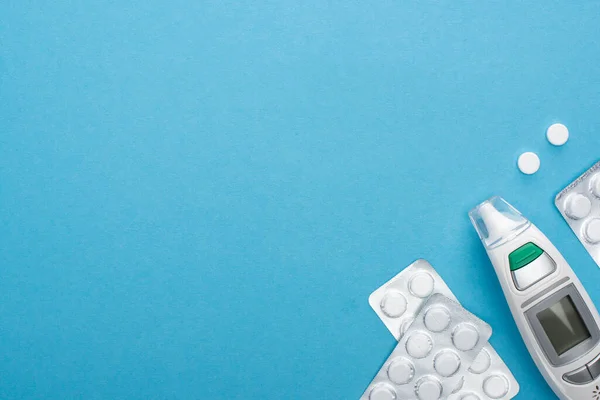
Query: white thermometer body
(555, 316)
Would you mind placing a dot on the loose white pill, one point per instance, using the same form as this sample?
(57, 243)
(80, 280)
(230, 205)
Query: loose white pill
(481, 363)
(465, 337)
(578, 206)
(393, 304)
(557, 134)
(470, 396)
(428, 389)
(421, 285)
(495, 386)
(446, 363)
(419, 345)
(382, 391)
(437, 319)
(528, 163)
(401, 371)
(592, 231)
(595, 185)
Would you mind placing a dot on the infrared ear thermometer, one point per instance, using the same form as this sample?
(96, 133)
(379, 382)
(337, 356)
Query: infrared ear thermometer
(557, 319)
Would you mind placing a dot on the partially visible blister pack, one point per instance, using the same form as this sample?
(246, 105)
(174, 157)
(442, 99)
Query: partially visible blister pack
(433, 356)
(488, 378)
(579, 204)
(401, 299)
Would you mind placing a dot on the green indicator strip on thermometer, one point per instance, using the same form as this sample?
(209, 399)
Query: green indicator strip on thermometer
(524, 255)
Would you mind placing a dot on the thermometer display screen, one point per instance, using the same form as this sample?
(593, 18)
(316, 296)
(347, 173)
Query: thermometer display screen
(563, 325)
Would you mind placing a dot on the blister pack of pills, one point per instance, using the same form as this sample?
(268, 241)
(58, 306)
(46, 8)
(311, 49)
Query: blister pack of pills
(579, 204)
(488, 378)
(400, 300)
(433, 356)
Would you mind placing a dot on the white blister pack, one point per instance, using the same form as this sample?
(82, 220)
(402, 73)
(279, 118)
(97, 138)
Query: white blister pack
(433, 356)
(488, 378)
(579, 204)
(400, 300)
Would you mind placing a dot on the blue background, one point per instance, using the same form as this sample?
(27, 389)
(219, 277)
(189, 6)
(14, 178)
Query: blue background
(198, 197)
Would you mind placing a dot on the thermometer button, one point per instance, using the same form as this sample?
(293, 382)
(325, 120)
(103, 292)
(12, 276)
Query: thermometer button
(529, 264)
(580, 376)
(594, 367)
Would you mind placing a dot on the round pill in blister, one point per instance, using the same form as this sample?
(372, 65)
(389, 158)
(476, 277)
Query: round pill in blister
(437, 319)
(595, 185)
(419, 345)
(465, 337)
(578, 206)
(446, 363)
(382, 391)
(591, 231)
(528, 163)
(428, 388)
(421, 285)
(401, 371)
(470, 396)
(557, 134)
(393, 304)
(482, 362)
(495, 386)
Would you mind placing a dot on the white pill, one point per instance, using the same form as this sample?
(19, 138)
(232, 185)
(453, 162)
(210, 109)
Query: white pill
(595, 185)
(495, 386)
(393, 304)
(446, 363)
(419, 345)
(465, 337)
(578, 206)
(401, 371)
(557, 134)
(421, 285)
(528, 163)
(592, 231)
(428, 389)
(482, 362)
(382, 391)
(437, 319)
(470, 396)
